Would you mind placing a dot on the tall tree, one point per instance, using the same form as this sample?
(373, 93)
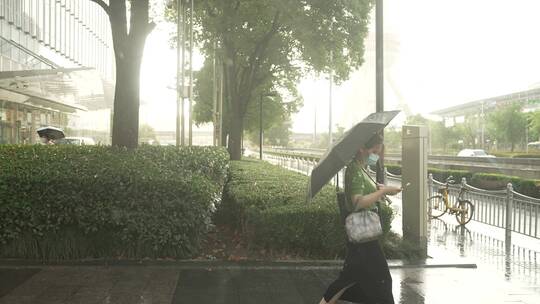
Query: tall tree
(417, 119)
(147, 134)
(468, 131)
(507, 124)
(271, 44)
(276, 110)
(534, 125)
(128, 42)
(442, 136)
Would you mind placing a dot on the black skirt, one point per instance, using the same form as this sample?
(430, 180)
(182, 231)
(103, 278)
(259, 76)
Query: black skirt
(366, 268)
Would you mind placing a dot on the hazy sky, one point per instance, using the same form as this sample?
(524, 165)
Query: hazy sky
(443, 53)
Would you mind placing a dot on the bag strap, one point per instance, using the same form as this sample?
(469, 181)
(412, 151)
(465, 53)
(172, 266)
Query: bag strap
(378, 203)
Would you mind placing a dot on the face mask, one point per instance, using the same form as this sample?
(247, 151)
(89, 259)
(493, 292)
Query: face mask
(372, 159)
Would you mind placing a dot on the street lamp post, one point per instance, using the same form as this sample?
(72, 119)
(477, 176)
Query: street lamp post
(379, 76)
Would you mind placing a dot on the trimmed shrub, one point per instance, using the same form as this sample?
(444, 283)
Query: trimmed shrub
(393, 169)
(527, 187)
(269, 205)
(69, 202)
(441, 174)
(533, 154)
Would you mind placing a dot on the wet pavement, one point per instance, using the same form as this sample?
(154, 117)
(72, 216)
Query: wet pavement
(467, 265)
(193, 282)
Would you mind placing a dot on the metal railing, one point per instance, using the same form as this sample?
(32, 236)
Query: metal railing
(505, 209)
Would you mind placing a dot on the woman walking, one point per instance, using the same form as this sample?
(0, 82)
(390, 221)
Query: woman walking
(365, 277)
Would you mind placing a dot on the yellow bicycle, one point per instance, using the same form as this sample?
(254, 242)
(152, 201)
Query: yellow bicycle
(439, 204)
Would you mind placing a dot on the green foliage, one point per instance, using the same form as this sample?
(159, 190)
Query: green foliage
(468, 131)
(417, 120)
(516, 154)
(507, 124)
(147, 134)
(392, 140)
(69, 202)
(527, 187)
(399, 248)
(265, 46)
(534, 125)
(442, 174)
(393, 169)
(269, 205)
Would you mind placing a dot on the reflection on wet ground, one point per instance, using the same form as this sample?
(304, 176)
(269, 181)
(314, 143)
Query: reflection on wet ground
(488, 249)
(240, 283)
(504, 274)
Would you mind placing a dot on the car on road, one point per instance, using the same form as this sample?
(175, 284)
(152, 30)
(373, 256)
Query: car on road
(474, 153)
(78, 141)
(534, 145)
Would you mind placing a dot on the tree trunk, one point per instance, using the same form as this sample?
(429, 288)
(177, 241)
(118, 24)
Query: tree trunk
(235, 135)
(224, 135)
(128, 51)
(125, 129)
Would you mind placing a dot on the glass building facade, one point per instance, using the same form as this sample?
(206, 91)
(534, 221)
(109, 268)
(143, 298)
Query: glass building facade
(46, 49)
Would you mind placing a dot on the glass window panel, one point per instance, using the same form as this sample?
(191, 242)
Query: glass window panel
(2, 9)
(39, 20)
(52, 23)
(24, 13)
(62, 28)
(28, 15)
(58, 26)
(9, 11)
(71, 26)
(46, 21)
(34, 17)
(18, 13)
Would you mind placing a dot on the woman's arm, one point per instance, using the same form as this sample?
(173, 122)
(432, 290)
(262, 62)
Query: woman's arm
(366, 201)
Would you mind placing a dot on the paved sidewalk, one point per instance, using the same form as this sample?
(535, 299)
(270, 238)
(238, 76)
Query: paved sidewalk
(256, 282)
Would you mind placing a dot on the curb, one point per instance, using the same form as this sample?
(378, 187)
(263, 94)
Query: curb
(251, 265)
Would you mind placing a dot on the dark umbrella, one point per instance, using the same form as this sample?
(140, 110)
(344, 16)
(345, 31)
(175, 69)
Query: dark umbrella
(51, 133)
(344, 149)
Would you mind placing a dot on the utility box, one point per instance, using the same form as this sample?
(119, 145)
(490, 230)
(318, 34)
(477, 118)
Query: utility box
(414, 164)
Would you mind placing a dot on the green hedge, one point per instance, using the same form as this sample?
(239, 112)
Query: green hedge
(442, 174)
(528, 187)
(488, 181)
(533, 154)
(68, 202)
(269, 205)
(438, 174)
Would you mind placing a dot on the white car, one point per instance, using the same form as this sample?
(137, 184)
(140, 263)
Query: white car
(79, 141)
(474, 153)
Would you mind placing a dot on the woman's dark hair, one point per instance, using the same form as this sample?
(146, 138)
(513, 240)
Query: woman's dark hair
(377, 139)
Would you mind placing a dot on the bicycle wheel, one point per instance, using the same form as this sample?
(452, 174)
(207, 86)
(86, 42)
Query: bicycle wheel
(465, 213)
(436, 206)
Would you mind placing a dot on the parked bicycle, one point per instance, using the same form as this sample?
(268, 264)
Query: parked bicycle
(439, 204)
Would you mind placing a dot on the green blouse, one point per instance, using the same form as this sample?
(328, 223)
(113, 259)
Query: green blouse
(357, 183)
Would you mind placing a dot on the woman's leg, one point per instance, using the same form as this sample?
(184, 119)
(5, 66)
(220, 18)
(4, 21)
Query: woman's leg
(345, 280)
(378, 283)
(336, 297)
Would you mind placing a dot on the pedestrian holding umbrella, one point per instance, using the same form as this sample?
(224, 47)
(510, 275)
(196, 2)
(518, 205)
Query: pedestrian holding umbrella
(50, 134)
(365, 277)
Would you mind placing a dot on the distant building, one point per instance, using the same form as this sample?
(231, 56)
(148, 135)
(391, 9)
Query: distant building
(56, 68)
(530, 100)
(478, 110)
